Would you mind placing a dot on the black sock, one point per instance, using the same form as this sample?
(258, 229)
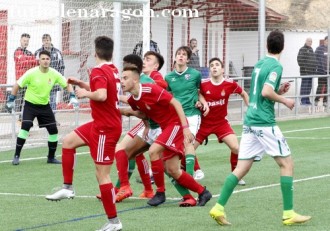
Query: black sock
(51, 149)
(19, 145)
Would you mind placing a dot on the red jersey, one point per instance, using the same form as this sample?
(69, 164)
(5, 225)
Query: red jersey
(158, 78)
(106, 114)
(154, 102)
(24, 60)
(217, 96)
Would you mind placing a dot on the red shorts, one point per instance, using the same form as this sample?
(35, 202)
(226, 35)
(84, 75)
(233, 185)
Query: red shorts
(222, 130)
(171, 139)
(101, 144)
(135, 130)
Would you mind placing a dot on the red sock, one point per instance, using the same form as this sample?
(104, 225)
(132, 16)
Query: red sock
(122, 167)
(108, 199)
(233, 160)
(68, 160)
(143, 168)
(188, 182)
(157, 168)
(196, 166)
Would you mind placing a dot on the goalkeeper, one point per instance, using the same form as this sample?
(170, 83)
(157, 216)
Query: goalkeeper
(39, 82)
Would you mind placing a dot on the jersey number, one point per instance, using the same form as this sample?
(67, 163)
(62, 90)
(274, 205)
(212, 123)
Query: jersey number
(256, 71)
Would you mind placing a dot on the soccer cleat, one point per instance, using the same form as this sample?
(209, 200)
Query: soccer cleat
(15, 160)
(158, 198)
(241, 182)
(204, 197)
(199, 174)
(63, 193)
(53, 161)
(147, 194)
(187, 201)
(219, 215)
(111, 227)
(123, 193)
(296, 219)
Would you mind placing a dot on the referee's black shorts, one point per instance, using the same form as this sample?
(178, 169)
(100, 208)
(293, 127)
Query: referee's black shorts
(44, 114)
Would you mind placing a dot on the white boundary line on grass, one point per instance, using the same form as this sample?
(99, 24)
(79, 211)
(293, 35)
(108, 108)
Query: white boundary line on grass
(173, 198)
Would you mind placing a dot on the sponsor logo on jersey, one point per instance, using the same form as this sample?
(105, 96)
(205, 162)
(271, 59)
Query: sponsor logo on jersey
(216, 103)
(49, 81)
(187, 76)
(208, 92)
(273, 77)
(223, 93)
(173, 79)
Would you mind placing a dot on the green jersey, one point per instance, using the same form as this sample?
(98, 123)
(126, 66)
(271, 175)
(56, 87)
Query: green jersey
(40, 84)
(146, 79)
(184, 87)
(261, 110)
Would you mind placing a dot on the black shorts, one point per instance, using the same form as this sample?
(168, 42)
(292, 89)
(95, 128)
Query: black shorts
(44, 114)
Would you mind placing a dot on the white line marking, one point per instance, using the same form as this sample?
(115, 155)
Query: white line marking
(174, 198)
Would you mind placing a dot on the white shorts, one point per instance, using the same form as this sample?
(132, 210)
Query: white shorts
(152, 135)
(194, 123)
(256, 141)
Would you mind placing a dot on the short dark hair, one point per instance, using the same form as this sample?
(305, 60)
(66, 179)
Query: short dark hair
(135, 60)
(132, 67)
(44, 52)
(45, 36)
(186, 49)
(159, 57)
(215, 59)
(275, 42)
(104, 47)
(26, 35)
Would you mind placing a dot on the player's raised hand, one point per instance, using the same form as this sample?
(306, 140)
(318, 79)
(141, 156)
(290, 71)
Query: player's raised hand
(10, 103)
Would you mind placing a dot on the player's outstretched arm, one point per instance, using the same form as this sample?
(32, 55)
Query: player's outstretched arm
(245, 97)
(79, 83)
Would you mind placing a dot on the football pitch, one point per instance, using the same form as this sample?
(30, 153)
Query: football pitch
(256, 206)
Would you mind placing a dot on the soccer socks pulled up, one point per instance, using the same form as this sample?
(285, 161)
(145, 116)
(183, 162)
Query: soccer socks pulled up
(190, 163)
(157, 168)
(122, 167)
(143, 168)
(68, 159)
(287, 192)
(188, 182)
(233, 160)
(182, 190)
(131, 167)
(108, 194)
(51, 149)
(227, 189)
(19, 145)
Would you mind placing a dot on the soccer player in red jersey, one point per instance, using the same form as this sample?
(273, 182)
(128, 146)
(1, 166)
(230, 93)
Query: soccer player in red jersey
(160, 106)
(101, 135)
(216, 91)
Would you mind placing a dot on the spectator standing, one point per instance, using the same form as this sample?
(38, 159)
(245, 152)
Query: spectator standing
(194, 59)
(57, 63)
(322, 66)
(138, 49)
(24, 60)
(307, 63)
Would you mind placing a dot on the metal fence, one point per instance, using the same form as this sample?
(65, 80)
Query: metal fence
(69, 118)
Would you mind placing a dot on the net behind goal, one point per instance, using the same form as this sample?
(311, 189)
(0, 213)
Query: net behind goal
(73, 26)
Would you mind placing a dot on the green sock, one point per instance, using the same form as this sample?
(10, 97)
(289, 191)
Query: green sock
(190, 163)
(182, 190)
(227, 189)
(287, 192)
(131, 167)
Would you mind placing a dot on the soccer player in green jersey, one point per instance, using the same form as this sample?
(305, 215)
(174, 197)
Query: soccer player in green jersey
(183, 83)
(261, 134)
(39, 82)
